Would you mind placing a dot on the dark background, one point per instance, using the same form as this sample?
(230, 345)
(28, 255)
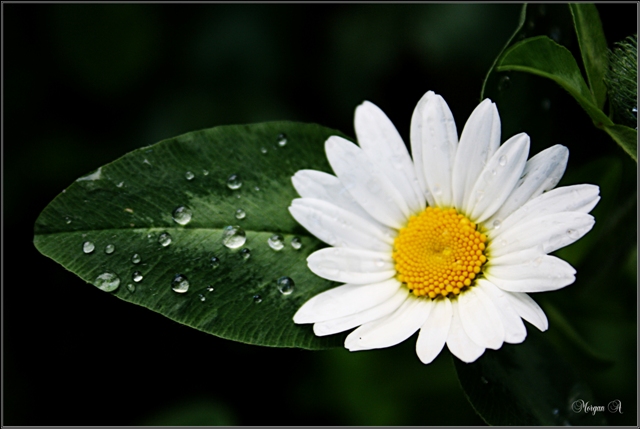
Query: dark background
(85, 84)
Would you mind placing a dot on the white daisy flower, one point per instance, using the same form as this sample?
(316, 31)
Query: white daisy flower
(449, 243)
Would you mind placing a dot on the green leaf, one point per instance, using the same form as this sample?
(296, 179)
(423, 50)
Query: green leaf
(544, 57)
(626, 137)
(526, 384)
(593, 48)
(129, 204)
(521, 20)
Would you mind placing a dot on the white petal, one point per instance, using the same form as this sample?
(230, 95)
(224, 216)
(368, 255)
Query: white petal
(341, 324)
(434, 141)
(458, 341)
(433, 333)
(480, 319)
(327, 187)
(345, 300)
(357, 266)
(542, 274)
(499, 177)
(382, 143)
(551, 231)
(528, 309)
(360, 177)
(514, 329)
(392, 329)
(541, 173)
(576, 198)
(339, 227)
(479, 140)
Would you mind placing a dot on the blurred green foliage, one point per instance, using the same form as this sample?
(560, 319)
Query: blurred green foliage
(84, 84)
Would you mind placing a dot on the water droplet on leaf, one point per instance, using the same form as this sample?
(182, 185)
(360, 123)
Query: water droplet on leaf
(296, 243)
(202, 297)
(263, 150)
(240, 214)
(136, 258)
(164, 239)
(214, 262)
(285, 285)
(276, 242)
(234, 182)
(107, 281)
(205, 172)
(182, 215)
(137, 277)
(109, 249)
(88, 247)
(131, 287)
(189, 175)
(282, 140)
(233, 237)
(67, 220)
(180, 284)
(257, 299)
(245, 253)
(210, 289)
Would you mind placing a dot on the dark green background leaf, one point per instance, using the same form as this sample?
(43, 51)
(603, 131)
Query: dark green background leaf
(626, 137)
(129, 204)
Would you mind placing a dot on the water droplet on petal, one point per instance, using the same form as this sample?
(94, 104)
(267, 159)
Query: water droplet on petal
(380, 262)
(131, 287)
(502, 161)
(109, 249)
(180, 284)
(234, 182)
(285, 285)
(202, 297)
(136, 258)
(182, 215)
(107, 281)
(233, 237)
(240, 214)
(214, 262)
(245, 253)
(296, 243)
(257, 299)
(496, 224)
(276, 242)
(137, 277)
(281, 140)
(164, 239)
(88, 247)
(189, 175)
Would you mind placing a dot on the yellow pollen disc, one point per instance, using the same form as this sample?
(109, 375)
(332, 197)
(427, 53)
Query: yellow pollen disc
(439, 253)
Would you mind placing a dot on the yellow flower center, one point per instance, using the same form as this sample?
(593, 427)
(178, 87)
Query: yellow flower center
(439, 252)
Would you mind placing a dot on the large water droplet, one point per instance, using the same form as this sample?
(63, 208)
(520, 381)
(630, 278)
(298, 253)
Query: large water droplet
(281, 140)
(136, 258)
(109, 249)
(131, 287)
(276, 242)
(296, 243)
(182, 215)
(214, 262)
(88, 247)
(502, 160)
(164, 239)
(240, 214)
(107, 281)
(234, 182)
(504, 83)
(257, 299)
(285, 285)
(137, 277)
(245, 253)
(233, 237)
(189, 175)
(180, 284)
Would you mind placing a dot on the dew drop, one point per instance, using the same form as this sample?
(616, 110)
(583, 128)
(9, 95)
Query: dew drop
(131, 287)
(245, 253)
(202, 297)
(109, 249)
(189, 175)
(504, 83)
(137, 277)
(210, 289)
(285, 285)
(107, 281)
(240, 214)
(180, 284)
(88, 247)
(182, 215)
(67, 220)
(380, 262)
(205, 172)
(136, 258)
(281, 140)
(234, 182)
(263, 150)
(276, 242)
(214, 262)
(496, 224)
(296, 243)
(502, 161)
(257, 299)
(257, 189)
(120, 184)
(233, 237)
(164, 239)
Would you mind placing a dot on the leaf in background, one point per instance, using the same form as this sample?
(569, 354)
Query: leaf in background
(521, 20)
(130, 203)
(526, 384)
(544, 57)
(593, 48)
(626, 137)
